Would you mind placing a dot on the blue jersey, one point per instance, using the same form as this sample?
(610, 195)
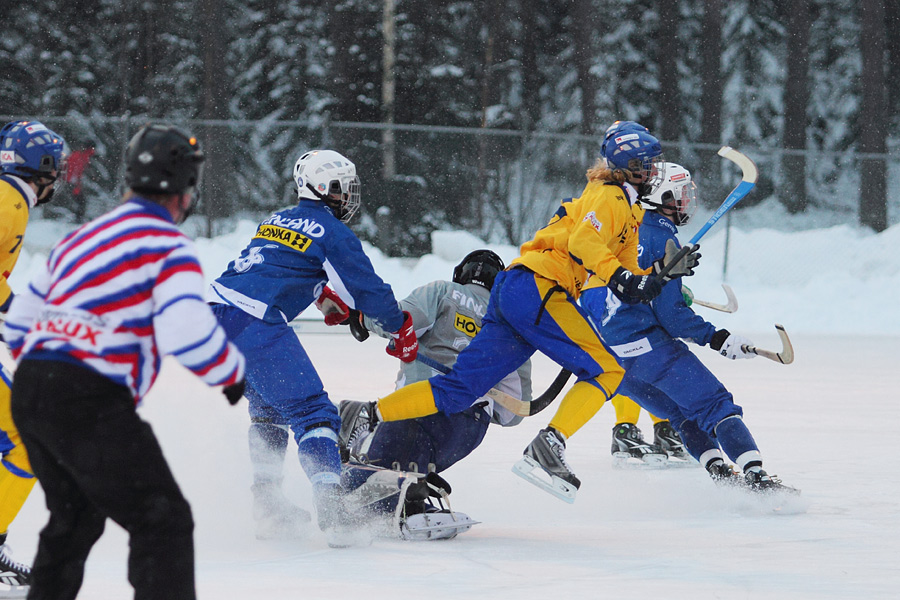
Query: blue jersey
(281, 271)
(637, 328)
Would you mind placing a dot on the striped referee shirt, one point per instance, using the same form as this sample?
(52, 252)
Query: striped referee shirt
(118, 294)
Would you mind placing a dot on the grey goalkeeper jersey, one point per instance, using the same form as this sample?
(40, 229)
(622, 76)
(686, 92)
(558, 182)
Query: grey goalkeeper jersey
(446, 316)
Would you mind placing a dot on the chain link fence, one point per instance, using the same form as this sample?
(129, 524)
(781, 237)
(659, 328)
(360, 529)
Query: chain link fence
(500, 185)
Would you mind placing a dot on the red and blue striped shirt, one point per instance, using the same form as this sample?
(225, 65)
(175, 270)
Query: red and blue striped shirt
(118, 294)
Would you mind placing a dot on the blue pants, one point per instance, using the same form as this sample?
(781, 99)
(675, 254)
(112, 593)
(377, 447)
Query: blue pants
(518, 322)
(283, 387)
(438, 439)
(672, 383)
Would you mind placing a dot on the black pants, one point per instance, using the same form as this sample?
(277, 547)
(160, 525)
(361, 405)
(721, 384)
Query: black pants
(95, 458)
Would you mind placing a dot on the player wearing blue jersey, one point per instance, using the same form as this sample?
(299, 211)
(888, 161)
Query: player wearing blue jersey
(278, 275)
(661, 373)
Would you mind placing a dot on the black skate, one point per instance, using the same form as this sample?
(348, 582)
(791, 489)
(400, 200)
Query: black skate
(665, 437)
(276, 517)
(724, 474)
(357, 421)
(15, 578)
(759, 481)
(630, 450)
(548, 451)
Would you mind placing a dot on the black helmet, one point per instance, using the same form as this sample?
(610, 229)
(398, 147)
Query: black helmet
(480, 266)
(162, 159)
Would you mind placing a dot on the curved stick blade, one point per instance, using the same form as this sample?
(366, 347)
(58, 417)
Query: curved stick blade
(785, 357)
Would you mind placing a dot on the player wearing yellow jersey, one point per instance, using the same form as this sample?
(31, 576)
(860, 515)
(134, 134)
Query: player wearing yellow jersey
(534, 306)
(31, 160)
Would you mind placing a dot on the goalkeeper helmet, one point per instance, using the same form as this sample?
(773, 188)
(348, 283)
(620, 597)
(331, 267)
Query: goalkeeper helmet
(676, 196)
(480, 267)
(330, 177)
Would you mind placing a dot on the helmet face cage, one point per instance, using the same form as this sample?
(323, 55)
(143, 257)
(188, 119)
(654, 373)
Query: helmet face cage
(479, 267)
(676, 197)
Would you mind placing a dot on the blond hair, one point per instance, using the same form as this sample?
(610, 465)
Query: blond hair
(601, 172)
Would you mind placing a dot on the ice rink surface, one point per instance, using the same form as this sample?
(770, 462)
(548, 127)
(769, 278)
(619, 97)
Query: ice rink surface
(825, 424)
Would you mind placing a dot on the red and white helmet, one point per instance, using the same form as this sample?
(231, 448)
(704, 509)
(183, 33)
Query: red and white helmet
(675, 197)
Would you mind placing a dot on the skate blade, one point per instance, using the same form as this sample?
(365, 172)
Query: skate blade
(436, 526)
(560, 488)
(13, 591)
(624, 460)
(682, 463)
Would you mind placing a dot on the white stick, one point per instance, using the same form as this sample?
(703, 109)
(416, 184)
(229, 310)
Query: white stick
(730, 307)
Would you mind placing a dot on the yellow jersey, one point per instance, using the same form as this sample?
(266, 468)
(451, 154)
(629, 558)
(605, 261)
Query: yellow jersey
(589, 236)
(16, 200)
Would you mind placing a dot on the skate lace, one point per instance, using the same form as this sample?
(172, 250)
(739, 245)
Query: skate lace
(559, 449)
(7, 564)
(360, 428)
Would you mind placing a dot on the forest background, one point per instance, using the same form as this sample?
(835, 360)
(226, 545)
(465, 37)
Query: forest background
(477, 115)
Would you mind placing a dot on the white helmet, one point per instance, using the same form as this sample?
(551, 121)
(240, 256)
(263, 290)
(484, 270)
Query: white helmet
(675, 197)
(330, 177)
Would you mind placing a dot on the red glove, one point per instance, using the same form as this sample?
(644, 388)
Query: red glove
(404, 344)
(331, 305)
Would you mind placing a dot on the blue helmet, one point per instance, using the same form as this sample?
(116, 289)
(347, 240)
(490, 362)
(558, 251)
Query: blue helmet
(28, 149)
(640, 154)
(620, 127)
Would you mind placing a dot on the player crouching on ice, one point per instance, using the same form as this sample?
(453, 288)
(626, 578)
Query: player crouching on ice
(278, 275)
(446, 315)
(661, 373)
(533, 307)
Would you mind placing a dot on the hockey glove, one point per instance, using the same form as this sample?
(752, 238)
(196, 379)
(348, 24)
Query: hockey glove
(730, 345)
(234, 392)
(357, 326)
(685, 265)
(331, 305)
(404, 344)
(631, 288)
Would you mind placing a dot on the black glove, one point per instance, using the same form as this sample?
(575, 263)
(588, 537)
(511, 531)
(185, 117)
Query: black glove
(357, 327)
(685, 265)
(631, 288)
(234, 392)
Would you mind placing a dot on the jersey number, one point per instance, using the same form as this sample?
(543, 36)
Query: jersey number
(18, 243)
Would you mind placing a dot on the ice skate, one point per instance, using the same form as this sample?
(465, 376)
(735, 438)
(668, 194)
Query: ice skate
(547, 452)
(420, 519)
(275, 517)
(435, 524)
(629, 449)
(356, 422)
(724, 474)
(15, 578)
(759, 481)
(666, 438)
(343, 527)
